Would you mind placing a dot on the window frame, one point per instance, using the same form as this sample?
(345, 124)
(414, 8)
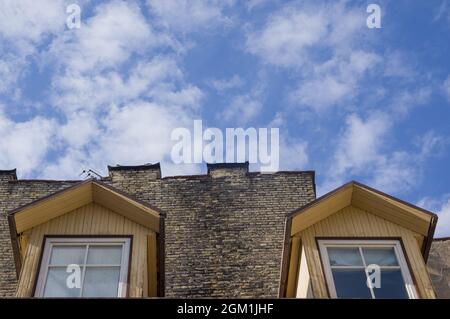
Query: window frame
(95, 240)
(400, 254)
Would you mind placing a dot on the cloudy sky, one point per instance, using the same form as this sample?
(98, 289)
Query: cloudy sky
(351, 102)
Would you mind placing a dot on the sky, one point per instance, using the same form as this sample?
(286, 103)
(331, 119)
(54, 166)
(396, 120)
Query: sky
(350, 102)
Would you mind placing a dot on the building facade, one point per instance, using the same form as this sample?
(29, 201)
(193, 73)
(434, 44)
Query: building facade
(228, 233)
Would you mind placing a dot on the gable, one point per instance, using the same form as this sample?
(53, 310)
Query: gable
(365, 198)
(354, 223)
(81, 194)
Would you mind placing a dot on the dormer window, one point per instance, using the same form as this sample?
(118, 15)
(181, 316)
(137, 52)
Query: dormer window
(84, 267)
(369, 269)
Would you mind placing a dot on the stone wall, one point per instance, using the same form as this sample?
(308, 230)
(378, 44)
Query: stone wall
(439, 267)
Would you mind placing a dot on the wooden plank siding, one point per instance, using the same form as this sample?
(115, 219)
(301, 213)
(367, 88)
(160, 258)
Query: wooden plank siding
(354, 222)
(91, 219)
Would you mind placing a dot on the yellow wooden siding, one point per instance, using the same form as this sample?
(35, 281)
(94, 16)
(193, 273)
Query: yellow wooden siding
(354, 222)
(91, 219)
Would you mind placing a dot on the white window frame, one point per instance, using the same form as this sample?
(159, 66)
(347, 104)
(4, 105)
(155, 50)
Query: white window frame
(342, 243)
(50, 242)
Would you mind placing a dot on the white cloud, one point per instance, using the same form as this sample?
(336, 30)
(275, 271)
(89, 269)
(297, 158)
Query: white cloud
(363, 149)
(190, 15)
(287, 36)
(10, 70)
(26, 22)
(293, 154)
(360, 143)
(136, 133)
(252, 4)
(446, 88)
(396, 172)
(440, 206)
(140, 129)
(24, 144)
(77, 91)
(242, 108)
(291, 36)
(107, 39)
(80, 129)
(222, 85)
(404, 101)
(119, 98)
(335, 81)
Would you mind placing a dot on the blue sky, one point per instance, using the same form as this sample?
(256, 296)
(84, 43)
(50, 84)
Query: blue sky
(351, 103)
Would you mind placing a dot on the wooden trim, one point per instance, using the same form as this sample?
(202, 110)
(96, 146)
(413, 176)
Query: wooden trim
(286, 257)
(15, 245)
(431, 214)
(41, 199)
(322, 265)
(129, 196)
(41, 255)
(399, 239)
(130, 259)
(352, 183)
(429, 239)
(152, 262)
(291, 286)
(410, 269)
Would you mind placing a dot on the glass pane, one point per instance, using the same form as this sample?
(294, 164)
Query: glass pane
(105, 255)
(392, 285)
(344, 256)
(380, 256)
(351, 283)
(101, 282)
(56, 285)
(66, 255)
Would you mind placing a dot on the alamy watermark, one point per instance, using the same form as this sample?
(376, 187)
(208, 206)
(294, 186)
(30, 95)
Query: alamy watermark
(211, 145)
(73, 20)
(374, 19)
(373, 276)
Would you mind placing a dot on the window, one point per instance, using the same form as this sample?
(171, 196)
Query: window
(84, 267)
(351, 268)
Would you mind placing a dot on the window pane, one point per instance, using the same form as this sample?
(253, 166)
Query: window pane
(104, 255)
(392, 285)
(65, 255)
(56, 285)
(380, 256)
(349, 256)
(351, 283)
(101, 282)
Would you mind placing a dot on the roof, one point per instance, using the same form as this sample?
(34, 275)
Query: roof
(364, 197)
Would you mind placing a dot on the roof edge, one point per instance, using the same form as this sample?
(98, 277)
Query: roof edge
(134, 167)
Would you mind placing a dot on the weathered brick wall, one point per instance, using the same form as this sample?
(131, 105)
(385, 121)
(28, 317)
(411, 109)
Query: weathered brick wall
(224, 230)
(439, 267)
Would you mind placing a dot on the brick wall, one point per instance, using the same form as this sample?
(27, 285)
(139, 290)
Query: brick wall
(224, 230)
